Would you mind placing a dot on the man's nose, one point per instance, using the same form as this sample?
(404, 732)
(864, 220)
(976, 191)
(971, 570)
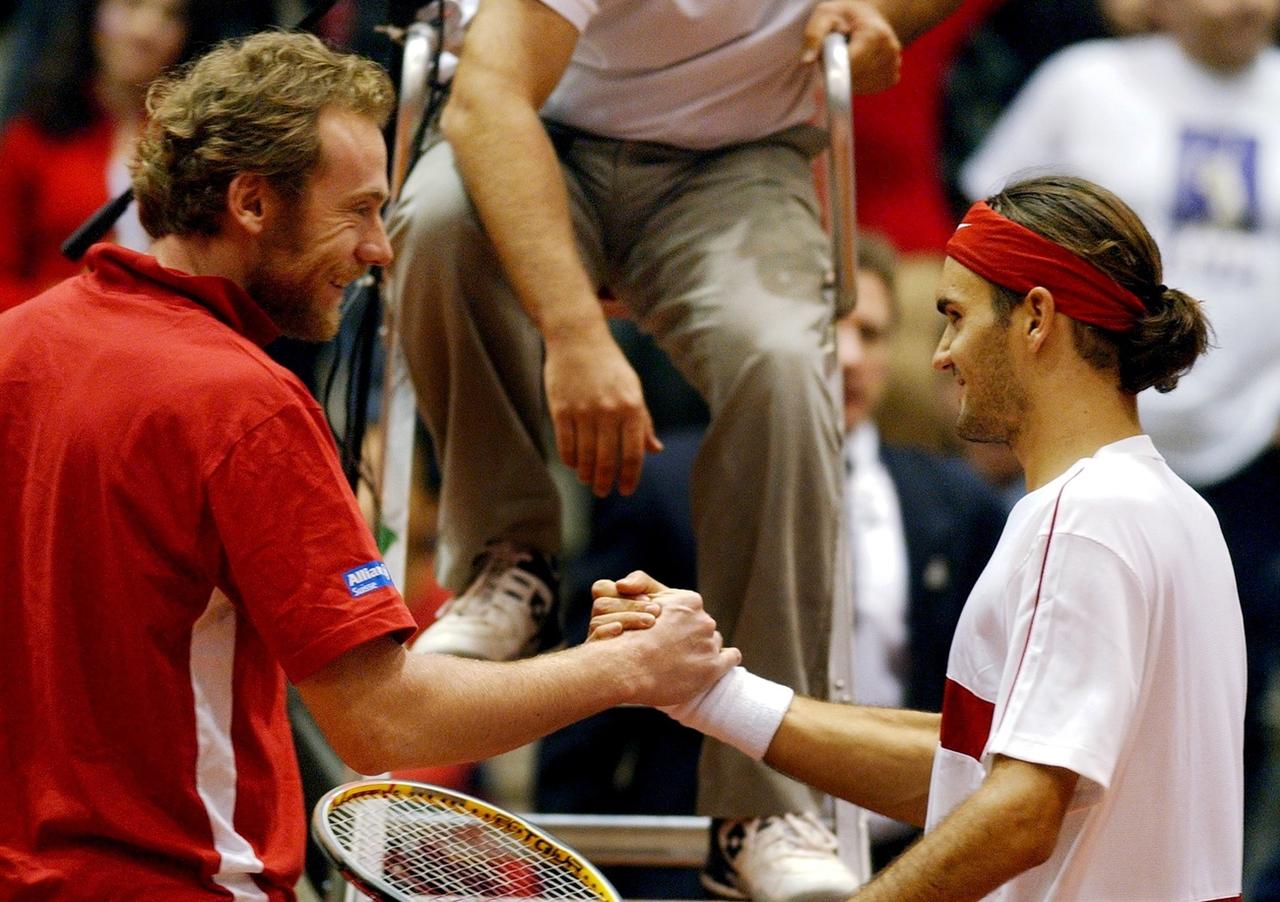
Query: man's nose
(375, 249)
(942, 353)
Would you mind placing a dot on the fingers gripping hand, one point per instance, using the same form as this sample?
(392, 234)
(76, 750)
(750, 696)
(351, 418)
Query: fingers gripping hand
(683, 652)
(613, 616)
(616, 609)
(634, 584)
(606, 626)
(875, 53)
(603, 428)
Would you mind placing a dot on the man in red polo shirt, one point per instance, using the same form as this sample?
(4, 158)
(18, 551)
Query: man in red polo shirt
(176, 537)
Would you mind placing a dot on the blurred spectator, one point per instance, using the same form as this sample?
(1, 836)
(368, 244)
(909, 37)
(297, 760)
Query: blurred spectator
(78, 102)
(899, 172)
(1003, 52)
(1183, 124)
(901, 195)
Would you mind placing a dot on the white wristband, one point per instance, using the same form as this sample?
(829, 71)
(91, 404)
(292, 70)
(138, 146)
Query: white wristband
(741, 710)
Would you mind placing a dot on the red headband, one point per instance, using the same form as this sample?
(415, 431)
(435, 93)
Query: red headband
(1010, 255)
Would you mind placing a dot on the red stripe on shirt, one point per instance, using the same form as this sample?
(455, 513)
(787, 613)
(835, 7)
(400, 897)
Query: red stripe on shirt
(1044, 565)
(966, 720)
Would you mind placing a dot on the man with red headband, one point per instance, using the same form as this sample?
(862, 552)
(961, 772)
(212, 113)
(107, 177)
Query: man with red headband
(1090, 741)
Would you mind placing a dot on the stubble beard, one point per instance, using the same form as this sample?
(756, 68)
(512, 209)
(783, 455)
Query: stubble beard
(993, 409)
(282, 290)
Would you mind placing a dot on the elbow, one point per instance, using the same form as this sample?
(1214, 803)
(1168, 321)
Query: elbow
(452, 121)
(460, 115)
(366, 738)
(363, 751)
(1040, 849)
(1034, 836)
(1031, 802)
(364, 761)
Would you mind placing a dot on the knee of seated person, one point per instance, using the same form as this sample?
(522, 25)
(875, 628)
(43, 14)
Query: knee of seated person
(433, 216)
(785, 365)
(432, 225)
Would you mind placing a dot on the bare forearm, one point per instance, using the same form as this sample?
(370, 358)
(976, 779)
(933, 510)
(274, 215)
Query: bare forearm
(513, 177)
(878, 758)
(1009, 825)
(424, 710)
(912, 18)
(966, 862)
(383, 708)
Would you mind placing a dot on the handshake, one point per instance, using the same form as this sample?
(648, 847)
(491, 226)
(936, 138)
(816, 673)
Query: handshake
(732, 705)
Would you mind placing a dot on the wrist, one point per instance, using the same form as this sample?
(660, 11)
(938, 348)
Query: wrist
(575, 327)
(620, 668)
(740, 709)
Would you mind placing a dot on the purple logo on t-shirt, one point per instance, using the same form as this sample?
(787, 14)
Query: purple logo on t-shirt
(1217, 180)
(366, 578)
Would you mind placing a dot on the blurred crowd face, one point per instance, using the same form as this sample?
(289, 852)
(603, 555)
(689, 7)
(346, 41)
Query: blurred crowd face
(862, 343)
(1222, 34)
(136, 40)
(330, 236)
(1127, 16)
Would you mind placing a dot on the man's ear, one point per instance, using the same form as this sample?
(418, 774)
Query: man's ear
(248, 198)
(1039, 322)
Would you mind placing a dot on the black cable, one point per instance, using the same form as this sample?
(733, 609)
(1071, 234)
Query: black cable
(437, 91)
(360, 382)
(362, 352)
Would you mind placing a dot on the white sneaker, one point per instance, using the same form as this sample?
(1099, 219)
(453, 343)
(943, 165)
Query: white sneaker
(784, 858)
(507, 612)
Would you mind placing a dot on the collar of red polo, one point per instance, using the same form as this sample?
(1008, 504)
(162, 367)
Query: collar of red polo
(1013, 256)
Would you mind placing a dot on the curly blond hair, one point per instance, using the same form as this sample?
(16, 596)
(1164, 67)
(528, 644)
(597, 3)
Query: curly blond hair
(246, 106)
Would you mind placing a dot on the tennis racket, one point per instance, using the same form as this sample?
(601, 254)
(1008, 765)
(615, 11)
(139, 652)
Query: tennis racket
(399, 841)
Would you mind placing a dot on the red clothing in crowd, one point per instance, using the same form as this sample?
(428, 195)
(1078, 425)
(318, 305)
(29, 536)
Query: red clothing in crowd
(898, 141)
(152, 454)
(49, 185)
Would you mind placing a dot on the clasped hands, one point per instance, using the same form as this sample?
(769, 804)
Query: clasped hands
(632, 603)
(738, 708)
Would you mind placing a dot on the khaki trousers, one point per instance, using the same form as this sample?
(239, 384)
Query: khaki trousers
(721, 257)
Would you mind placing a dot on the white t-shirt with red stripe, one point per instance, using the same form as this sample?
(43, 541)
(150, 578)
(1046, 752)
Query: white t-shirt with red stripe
(1105, 637)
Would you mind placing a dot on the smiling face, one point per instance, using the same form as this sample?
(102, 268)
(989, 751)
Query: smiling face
(976, 348)
(312, 247)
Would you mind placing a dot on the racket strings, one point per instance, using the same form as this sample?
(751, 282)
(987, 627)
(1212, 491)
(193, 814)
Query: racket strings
(427, 850)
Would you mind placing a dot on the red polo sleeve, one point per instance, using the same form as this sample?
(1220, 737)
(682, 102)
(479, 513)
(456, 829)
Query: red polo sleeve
(303, 564)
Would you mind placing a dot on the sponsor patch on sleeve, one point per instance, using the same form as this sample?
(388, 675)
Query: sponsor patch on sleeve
(367, 577)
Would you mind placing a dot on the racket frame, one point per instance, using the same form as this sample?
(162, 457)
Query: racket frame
(373, 885)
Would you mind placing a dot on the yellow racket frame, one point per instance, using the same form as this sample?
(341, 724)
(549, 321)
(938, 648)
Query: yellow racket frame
(543, 844)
